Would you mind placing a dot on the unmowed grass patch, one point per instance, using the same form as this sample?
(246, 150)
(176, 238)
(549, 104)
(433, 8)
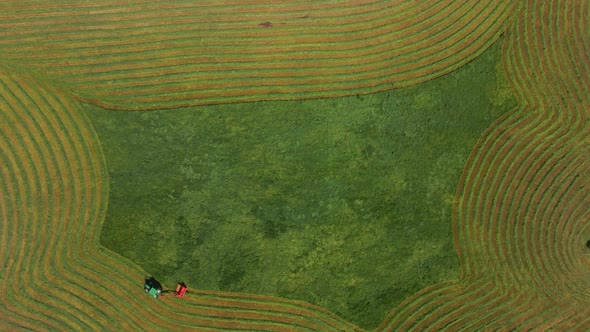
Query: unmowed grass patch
(343, 202)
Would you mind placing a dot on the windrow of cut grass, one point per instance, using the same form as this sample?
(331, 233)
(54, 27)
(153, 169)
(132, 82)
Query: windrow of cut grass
(528, 239)
(153, 55)
(521, 213)
(44, 182)
(55, 276)
(555, 70)
(544, 174)
(459, 306)
(508, 213)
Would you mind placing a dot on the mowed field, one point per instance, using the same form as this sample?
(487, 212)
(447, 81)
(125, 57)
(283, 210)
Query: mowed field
(521, 208)
(157, 55)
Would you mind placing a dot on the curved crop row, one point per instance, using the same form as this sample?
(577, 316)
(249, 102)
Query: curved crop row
(521, 215)
(548, 44)
(522, 225)
(143, 55)
(52, 205)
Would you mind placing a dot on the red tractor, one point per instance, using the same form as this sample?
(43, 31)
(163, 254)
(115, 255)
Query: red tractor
(180, 289)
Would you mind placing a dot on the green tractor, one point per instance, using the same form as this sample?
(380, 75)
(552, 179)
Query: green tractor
(152, 287)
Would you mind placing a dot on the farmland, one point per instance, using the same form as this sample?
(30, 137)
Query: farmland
(301, 199)
(508, 195)
(152, 55)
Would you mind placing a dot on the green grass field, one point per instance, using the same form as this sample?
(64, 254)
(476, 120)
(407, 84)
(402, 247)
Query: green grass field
(344, 202)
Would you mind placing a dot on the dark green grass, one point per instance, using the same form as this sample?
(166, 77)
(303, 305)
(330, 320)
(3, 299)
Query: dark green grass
(344, 202)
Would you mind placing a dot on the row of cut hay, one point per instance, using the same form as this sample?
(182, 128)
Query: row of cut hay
(549, 60)
(521, 218)
(496, 146)
(522, 222)
(38, 181)
(62, 189)
(566, 60)
(555, 89)
(566, 267)
(535, 182)
(463, 306)
(514, 152)
(504, 222)
(470, 259)
(421, 303)
(377, 24)
(291, 314)
(138, 70)
(559, 129)
(228, 92)
(53, 202)
(513, 222)
(469, 307)
(561, 47)
(151, 55)
(445, 310)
